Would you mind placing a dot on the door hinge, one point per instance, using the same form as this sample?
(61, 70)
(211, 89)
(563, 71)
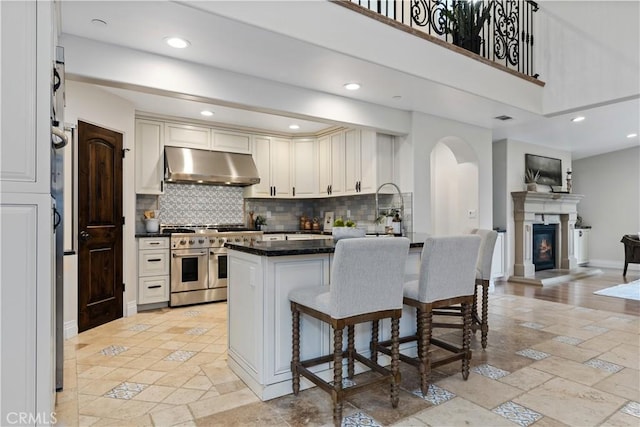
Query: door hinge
(124, 151)
(124, 287)
(122, 220)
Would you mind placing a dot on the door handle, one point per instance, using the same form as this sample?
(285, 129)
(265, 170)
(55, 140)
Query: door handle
(84, 236)
(189, 255)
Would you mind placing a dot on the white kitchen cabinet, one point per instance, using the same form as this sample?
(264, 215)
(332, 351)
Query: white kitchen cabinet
(149, 154)
(231, 142)
(331, 165)
(368, 161)
(581, 245)
(498, 262)
(27, 301)
(273, 237)
(187, 136)
(304, 167)
(273, 160)
(153, 270)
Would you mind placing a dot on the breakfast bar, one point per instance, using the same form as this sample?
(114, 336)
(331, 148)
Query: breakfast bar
(260, 277)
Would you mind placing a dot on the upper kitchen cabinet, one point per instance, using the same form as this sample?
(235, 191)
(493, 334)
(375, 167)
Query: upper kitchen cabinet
(149, 152)
(187, 136)
(376, 161)
(231, 142)
(331, 164)
(26, 67)
(273, 160)
(304, 154)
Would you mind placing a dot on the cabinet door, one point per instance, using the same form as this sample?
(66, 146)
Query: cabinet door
(352, 160)
(153, 262)
(281, 167)
(337, 164)
(497, 262)
(149, 152)
(188, 136)
(231, 142)
(25, 103)
(153, 289)
(262, 157)
(304, 164)
(324, 165)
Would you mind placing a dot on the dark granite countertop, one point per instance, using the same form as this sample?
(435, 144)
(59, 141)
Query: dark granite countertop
(153, 234)
(304, 247)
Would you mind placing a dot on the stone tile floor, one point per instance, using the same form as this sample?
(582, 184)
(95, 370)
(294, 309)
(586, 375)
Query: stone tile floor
(547, 364)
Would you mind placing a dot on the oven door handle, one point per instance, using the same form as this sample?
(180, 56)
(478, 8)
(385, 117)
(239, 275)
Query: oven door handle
(188, 255)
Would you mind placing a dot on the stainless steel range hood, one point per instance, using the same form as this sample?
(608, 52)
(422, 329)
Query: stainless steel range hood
(209, 167)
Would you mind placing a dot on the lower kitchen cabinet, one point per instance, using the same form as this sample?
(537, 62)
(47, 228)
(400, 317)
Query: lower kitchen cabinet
(498, 262)
(153, 270)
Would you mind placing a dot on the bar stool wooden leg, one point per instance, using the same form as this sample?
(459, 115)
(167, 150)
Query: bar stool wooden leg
(485, 313)
(350, 351)
(425, 318)
(466, 340)
(337, 394)
(295, 352)
(375, 331)
(395, 361)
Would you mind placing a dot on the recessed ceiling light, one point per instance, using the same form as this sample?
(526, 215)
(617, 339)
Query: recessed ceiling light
(177, 42)
(352, 86)
(503, 117)
(396, 97)
(632, 135)
(99, 22)
(206, 113)
(577, 119)
(294, 127)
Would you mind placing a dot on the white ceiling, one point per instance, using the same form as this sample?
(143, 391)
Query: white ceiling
(228, 44)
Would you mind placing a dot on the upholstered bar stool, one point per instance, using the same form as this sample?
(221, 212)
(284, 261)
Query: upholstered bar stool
(483, 278)
(447, 277)
(365, 285)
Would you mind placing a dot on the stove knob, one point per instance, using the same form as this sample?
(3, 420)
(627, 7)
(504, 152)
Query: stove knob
(237, 239)
(221, 240)
(201, 241)
(183, 242)
(191, 241)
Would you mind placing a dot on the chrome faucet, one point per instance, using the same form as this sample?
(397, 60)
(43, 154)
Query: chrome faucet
(387, 208)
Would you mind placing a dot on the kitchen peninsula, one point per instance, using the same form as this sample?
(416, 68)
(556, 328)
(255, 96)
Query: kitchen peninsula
(260, 277)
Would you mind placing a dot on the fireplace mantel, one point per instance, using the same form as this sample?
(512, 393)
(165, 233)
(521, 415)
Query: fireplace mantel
(530, 207)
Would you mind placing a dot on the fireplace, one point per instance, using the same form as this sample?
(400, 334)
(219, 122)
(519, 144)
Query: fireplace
(544, 246)
(536, 208)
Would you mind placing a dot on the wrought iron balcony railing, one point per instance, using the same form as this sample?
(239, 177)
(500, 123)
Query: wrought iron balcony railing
(505, 37)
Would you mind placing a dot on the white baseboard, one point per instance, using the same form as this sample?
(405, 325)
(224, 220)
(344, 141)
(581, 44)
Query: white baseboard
(132, 308)
(606, 263)
(70, 329)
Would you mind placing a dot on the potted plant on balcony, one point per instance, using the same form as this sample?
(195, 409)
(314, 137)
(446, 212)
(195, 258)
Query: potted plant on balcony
(465, 20)
(531, 179)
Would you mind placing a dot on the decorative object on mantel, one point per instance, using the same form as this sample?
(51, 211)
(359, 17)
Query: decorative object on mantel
(531, 179)
(549, 169)
(568, 180)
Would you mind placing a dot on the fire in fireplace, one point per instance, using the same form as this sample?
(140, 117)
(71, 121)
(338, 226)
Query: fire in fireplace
(544, 246)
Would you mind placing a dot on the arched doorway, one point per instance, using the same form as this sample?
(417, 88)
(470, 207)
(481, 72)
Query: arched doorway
(454, 187)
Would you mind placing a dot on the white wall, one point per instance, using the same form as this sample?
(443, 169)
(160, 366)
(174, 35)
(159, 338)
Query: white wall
(91, 104)
(587, 52)
(611, 186)
(508, 176)
(469, 144)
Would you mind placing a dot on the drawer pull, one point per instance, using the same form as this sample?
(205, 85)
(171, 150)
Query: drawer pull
(154, 243)
(154, 287)
(154, 260)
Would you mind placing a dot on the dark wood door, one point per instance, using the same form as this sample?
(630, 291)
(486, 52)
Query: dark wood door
(100, 284)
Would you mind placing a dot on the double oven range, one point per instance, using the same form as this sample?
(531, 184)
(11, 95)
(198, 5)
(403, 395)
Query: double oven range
(199, 261)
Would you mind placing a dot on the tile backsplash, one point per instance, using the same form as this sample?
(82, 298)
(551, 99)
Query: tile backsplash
(212, 204)
(201, 204)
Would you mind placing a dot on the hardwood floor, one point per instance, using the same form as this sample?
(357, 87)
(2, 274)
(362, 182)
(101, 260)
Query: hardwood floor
(579, 292)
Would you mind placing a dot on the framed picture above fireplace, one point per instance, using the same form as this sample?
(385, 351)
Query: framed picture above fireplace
(550, 169)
